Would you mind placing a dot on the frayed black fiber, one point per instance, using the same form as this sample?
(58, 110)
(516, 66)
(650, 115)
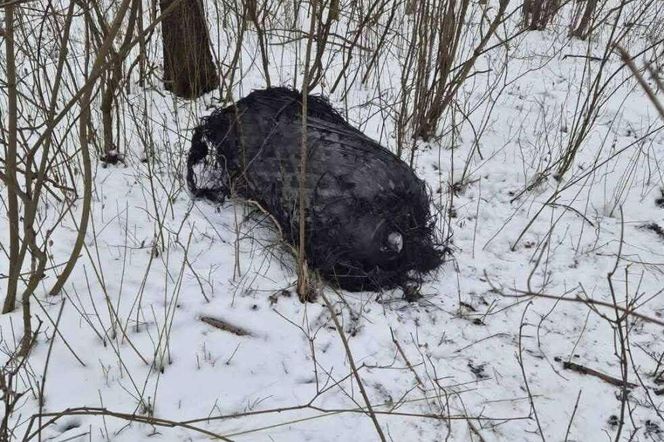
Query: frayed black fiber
(368, 222)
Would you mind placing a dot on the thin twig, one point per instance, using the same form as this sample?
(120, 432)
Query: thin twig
(342, 335)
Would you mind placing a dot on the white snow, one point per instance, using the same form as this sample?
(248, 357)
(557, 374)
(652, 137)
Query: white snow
(131, 339)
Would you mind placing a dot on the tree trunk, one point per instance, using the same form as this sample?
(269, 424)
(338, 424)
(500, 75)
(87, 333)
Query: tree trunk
(583, 27)
(537, 14)
(10, 169)
(189, 71)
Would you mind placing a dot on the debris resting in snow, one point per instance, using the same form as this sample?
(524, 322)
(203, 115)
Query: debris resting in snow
(368, 224)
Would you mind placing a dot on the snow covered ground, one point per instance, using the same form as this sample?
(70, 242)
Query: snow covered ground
(489, 351)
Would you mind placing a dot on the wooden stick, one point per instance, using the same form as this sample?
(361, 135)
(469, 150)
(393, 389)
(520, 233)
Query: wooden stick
(225, 326)
(589, 371)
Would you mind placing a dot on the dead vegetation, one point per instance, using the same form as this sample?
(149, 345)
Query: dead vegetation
(82, 88)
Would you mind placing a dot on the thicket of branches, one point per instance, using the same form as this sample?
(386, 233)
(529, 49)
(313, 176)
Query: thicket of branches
(78, 81)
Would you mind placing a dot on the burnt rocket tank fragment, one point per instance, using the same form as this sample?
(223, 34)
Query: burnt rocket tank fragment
(368, 222)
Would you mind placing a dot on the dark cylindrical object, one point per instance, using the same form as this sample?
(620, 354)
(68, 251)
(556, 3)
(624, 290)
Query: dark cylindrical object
(368, 224)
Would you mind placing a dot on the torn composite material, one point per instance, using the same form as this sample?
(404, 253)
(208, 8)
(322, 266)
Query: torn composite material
(368, 224)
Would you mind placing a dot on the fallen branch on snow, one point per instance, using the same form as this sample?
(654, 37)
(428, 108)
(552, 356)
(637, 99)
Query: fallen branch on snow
(605, 377)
